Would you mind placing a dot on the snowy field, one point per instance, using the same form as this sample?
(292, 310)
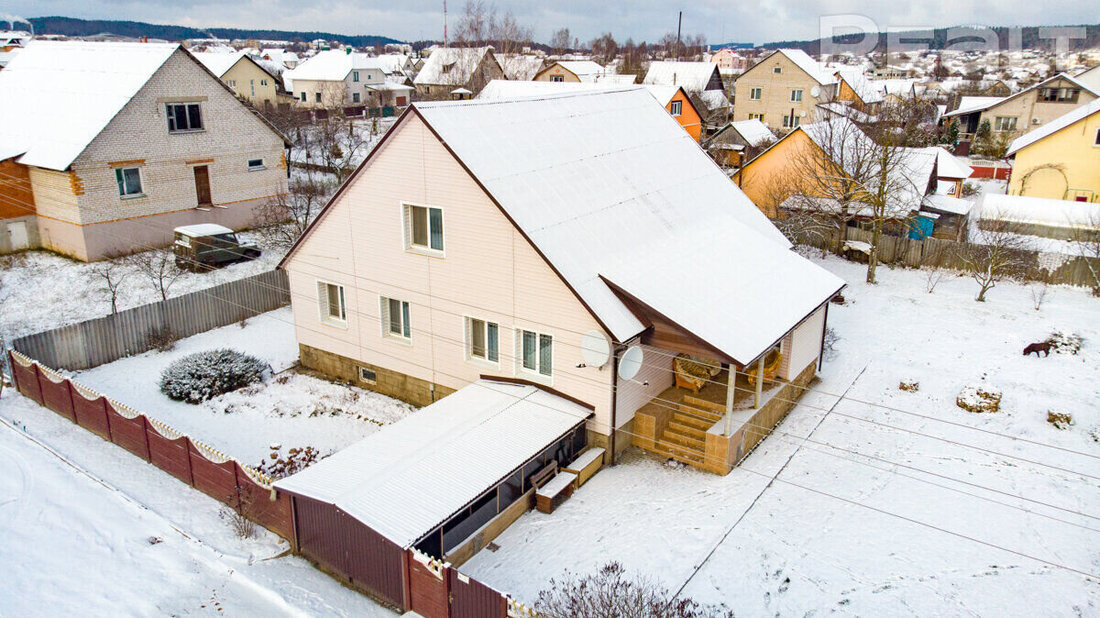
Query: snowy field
(41, 290)
(921, 509)
(290, 409)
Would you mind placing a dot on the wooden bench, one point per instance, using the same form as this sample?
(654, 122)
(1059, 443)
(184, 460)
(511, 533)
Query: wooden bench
(551, 487)
(585, 465)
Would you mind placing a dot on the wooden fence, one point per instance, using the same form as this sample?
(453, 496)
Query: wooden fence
(133, 331)
(244, 489)
(1067, 270)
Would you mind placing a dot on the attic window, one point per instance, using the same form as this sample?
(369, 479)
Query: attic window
(183, 117)
(1097, 142)
(676, 108)
(777, 69)
(447, 67)
(255, 164)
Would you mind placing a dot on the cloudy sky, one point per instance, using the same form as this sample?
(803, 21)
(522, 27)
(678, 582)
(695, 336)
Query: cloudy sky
(756, 21)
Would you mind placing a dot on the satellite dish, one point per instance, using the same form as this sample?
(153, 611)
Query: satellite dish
(595, 348)
(631, 362)
(815, 91)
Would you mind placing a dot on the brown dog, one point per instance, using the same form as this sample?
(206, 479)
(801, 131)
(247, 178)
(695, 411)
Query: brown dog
(1043, 347)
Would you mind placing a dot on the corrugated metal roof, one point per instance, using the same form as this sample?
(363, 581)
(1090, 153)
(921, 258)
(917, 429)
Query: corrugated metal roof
(410, 477)
(692, 76)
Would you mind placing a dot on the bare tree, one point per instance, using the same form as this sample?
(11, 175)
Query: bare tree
(482, 24)
(1087, 237)
(610, 593)
(111, 272)
(335, 144)
(560, 42)
(158, 267)
(809, 229)
(996, 252)
(286, 216)
(604, 48)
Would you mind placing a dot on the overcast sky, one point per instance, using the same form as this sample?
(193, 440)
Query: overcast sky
(755, 21)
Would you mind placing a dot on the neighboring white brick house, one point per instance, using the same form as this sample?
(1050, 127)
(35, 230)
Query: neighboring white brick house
(113, 177)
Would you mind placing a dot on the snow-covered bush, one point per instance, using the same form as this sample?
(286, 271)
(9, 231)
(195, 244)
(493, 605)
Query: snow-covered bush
(909, 386)
(979, 399)
(1065, 343)
(1060, 420)
(610, 593)
(204, 375)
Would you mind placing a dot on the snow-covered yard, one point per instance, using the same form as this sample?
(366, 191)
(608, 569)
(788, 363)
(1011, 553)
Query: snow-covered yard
(891, 503)
(290, 409)
(41, 290)
(78, 515)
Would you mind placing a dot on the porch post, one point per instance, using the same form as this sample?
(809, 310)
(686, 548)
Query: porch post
(729, 400)
(759, 394)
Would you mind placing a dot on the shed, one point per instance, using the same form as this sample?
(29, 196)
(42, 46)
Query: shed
(429, 481)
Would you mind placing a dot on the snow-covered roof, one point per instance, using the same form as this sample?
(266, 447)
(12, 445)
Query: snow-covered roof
(203, 229)
(519, 66)
(585, 70)
(616, 174)
(56, 97)
(1039, 211)
(408, 478)
(391, 63)
(217, 62)
(754, 131)
(950, 166)
(969, 105)
(868, 90)
(509, 89)
(803, 61)
(948, 204)
(691, 76)
(713, 99)
(616, 79)
(451, 65)
(331, 65)
(1079, 113)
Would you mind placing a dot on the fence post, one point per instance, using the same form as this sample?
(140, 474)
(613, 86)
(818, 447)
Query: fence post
(41, 391)
(145, 427)
(14, 373)
(107, 418)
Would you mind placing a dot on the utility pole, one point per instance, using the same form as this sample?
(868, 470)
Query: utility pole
(444, 23)
(679, 22)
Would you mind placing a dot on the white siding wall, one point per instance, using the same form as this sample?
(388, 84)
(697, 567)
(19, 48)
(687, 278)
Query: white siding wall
(633, 394)
(806, 342)
(489, 272)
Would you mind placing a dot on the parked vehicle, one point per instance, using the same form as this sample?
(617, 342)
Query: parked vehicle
(206, 246)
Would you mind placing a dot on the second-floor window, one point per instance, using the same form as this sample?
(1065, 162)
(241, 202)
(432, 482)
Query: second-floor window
(1059, 95)
(676, 107)
(129, 181)
(355, 76)
(557, 78)
(777, 70)
(395, 318)
(355, 97)
(1097, 142)
(754, 94)
(330, 297)
(1004, 123)
(790, 122)
(423, 228)
(303, 97)
(796, 96)
(183, 117)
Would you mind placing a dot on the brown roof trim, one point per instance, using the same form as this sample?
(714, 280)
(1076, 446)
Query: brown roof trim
(339, 192)
(722, 356)
(543, 387)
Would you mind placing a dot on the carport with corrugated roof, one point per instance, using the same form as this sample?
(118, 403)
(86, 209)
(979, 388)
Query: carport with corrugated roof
(429, 481)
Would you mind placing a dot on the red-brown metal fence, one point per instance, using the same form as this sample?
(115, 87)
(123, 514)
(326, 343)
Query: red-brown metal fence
(337, 542)
(221, 477)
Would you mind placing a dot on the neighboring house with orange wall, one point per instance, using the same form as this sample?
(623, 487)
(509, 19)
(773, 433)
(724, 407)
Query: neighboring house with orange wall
(674, 99)
(159, 142)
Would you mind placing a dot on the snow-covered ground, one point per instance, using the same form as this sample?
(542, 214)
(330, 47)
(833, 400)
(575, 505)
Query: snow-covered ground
(921, 509)
(41, 290)
(289, 409)
(77, 514)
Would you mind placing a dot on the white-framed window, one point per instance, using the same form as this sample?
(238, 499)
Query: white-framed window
(482, 340)
(355, 97)
(557, 78)
(423, 228)
(355, 76)
(1004, 123)
(256, 164)
(796, 95)
(395, 318)
(330, 300)
(790, 122)
(263, 82)
(534, 353)
(676, 107)
(777, 69)
(755, 94)
(129, 182)
(183, 117)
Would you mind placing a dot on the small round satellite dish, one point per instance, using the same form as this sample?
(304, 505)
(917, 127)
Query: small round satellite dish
(631, 362)
(815, 91)
(595, 348)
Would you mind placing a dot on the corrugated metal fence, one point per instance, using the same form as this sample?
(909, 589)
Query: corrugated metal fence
(133, 331)
(1067, 270)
